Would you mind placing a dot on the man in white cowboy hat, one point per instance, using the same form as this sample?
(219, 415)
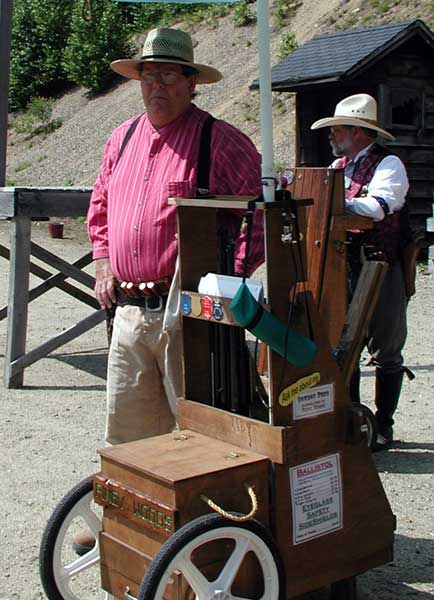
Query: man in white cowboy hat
(376, 185)
(133, 228)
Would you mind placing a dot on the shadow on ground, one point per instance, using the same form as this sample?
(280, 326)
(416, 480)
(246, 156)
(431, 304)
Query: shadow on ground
(413, 458)
(94, 363)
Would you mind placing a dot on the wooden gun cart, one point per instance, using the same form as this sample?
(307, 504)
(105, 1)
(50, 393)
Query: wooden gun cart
(299, 468)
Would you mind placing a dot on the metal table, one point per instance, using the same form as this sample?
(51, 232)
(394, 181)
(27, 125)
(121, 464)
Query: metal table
(22, 206)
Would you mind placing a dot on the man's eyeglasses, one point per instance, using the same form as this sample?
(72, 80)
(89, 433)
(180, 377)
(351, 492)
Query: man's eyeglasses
(166, 77)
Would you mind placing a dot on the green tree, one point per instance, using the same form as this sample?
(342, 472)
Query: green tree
(39, 32)
(94, 43)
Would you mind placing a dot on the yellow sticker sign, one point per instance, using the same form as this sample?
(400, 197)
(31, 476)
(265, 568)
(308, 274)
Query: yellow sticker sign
(290, 393)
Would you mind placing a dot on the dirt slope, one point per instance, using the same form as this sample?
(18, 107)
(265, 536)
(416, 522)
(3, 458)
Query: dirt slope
(71, 155)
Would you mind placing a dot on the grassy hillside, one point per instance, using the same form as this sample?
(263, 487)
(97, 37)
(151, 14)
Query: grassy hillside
(70, 155)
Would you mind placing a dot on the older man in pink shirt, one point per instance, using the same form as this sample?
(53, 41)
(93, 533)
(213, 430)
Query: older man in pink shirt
(133, 228)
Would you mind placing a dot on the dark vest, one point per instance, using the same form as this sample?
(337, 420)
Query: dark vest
(383, 241)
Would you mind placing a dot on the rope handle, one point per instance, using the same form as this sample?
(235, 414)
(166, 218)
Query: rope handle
(231, 515)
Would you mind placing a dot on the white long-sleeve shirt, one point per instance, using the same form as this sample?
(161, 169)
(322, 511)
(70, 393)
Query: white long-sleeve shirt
(390, 183)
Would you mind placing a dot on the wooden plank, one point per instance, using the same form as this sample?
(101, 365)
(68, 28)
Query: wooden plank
(51, 281)
(147, 512)
(7, 202)
(17, 300)
(318, 225)
(338, 191)
(326, 427)
(123, 559)
(16, 366)
(365, 540)
(227, 318)
(347, 222)
(116, 584)
(283, 275)
(44, 202)
(237, 202)
(197, 229)
(359, 314)
(61, 265)
(131, 532)
(246, 433)
(57, 280)
(179, 456)
(333, 302)
(334, 294)
(52, 202)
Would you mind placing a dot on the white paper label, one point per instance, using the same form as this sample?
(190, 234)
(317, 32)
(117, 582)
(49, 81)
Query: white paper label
(316, 401)
(316, 495)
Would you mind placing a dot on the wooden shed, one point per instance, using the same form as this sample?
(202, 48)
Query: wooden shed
(395, 64)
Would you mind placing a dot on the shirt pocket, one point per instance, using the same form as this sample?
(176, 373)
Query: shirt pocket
(181, 189)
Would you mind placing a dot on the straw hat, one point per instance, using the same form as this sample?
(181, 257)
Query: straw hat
(168, 46)
(359, 110)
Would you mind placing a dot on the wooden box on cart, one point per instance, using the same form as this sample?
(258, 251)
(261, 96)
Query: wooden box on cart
(150, 488)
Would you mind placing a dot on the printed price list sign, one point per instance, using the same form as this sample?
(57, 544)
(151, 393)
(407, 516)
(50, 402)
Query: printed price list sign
(316, 401)
(316, 496)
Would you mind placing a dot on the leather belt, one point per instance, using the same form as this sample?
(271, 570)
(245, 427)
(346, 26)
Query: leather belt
(152, 303)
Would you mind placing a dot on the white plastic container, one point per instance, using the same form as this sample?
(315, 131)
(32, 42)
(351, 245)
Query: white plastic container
(227, 286)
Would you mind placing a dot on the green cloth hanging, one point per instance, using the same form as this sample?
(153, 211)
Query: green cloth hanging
(300, 350)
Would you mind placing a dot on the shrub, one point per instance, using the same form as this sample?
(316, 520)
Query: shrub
(284, 10)
(39, 32)
(93, 44)
(288, 43)
(243, 14)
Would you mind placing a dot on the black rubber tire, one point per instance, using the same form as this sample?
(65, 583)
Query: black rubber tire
(186, 534)
(371, 423)
(346, 589)
(51, 532)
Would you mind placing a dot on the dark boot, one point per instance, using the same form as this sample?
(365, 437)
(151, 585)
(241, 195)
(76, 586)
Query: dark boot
(387, 391)
(83, 543)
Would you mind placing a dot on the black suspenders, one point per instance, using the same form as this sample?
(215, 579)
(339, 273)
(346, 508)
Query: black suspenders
(204, 160)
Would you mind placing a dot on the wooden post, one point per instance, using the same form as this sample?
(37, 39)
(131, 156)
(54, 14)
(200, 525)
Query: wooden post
(18, 298)
(5, 50)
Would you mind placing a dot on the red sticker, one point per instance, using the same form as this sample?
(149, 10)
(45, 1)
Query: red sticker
(207, 307)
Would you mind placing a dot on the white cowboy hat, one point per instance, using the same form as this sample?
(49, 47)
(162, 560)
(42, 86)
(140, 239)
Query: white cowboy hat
(168, 46)
(359, 110)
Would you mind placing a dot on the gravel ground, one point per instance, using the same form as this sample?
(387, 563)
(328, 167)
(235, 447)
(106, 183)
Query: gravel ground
(51, 429)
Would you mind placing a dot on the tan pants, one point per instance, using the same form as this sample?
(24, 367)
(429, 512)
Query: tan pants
(144, 376)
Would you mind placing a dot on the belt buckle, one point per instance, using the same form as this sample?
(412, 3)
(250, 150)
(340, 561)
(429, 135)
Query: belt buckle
(157, 308)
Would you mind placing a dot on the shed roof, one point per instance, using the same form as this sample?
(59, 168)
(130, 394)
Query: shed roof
(337, 56)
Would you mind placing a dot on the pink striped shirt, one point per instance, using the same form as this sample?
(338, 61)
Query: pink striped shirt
(129, 218)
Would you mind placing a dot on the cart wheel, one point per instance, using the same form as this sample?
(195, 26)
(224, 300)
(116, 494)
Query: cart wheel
(64, 575)
(209, 553)
(346, 589)
(370, 424)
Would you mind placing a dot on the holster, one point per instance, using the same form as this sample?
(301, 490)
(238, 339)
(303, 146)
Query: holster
(409, 255)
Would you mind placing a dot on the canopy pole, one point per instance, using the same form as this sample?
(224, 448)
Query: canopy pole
(268, 170)
(5, 51)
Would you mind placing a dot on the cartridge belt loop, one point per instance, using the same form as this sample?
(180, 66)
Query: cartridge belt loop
(157, 287)
(150, 295)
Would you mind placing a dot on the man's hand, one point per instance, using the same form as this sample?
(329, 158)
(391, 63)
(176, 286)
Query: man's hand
(105, 283)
